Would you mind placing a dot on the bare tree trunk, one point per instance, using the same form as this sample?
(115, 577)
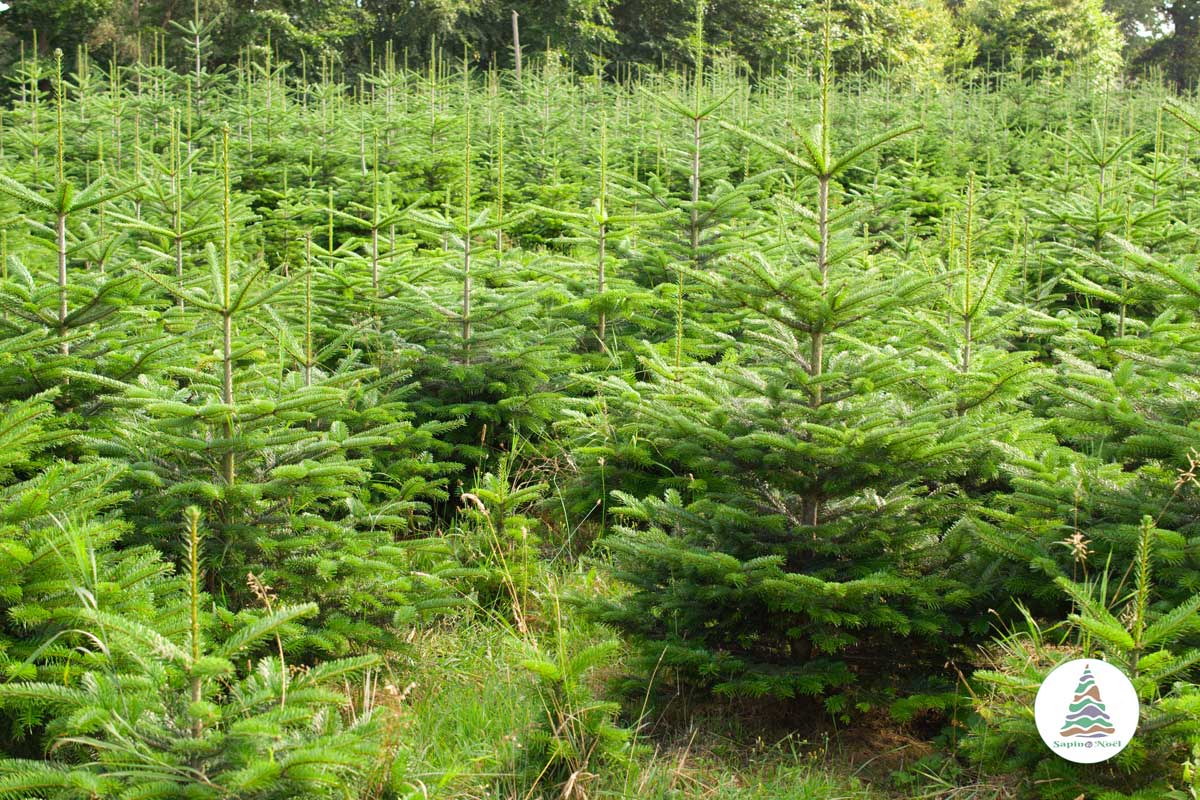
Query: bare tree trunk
(516, 43)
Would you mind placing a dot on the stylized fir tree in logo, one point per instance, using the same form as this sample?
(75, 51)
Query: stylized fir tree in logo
(1086, 716)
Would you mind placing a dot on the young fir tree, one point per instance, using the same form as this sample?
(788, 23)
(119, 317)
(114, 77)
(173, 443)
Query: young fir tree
(801, 538)
(172, 708)
(1119, 614)
(59, 537)
(1103, 200)
(1123, 413)
(488, 348)
(53, 305)
(600, 239)
(707, 221)
(275, 450)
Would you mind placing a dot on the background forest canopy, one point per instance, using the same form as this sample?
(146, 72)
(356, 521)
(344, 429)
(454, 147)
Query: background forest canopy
(921, 39)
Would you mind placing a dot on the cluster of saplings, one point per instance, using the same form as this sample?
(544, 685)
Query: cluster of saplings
(836, 378)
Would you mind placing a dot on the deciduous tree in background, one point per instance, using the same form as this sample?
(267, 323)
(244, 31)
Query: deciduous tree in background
(1164, 33)
(1076, 33)
(921, 38)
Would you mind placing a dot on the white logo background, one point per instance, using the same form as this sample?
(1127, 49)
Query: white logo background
(1058, 692)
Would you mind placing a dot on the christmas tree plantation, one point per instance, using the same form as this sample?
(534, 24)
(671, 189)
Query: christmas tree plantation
(377, 435)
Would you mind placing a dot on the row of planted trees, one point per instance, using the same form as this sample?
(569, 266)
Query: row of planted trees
(830, 370)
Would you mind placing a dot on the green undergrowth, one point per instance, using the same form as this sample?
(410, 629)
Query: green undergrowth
(466, 708)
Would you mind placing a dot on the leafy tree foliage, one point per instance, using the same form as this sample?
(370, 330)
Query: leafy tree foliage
(920, 38)
(917, 39)
(1163, 34)
(1080, 34)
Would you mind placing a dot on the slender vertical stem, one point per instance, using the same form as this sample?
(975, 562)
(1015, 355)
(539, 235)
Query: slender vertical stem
(1141, 605)
(817, 359)
(392, 246)
(329, 225)
(603, 233)
(1158, 146)
(375, 218)
(500, 181)
(816, 366)
(308, 351)
(196, 44)
(35, 104)
(228, 466)
(694, 227)
(188, 112)
(433, 83)
(270, 93)
(466, 296)
(694, 213)
(60, 238)
(362, 149)
(968, 313)
(193, 515)
(177, 198)
(60, 221)
(58, 113)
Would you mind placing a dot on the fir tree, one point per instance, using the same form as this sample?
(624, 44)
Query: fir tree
(166, 710)
(807, 520)
(267, 453)
(50, 312)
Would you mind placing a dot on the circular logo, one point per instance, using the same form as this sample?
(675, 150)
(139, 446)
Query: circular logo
(1086, 711)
